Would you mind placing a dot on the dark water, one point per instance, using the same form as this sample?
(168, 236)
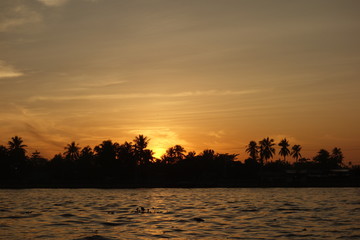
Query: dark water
(273, 213)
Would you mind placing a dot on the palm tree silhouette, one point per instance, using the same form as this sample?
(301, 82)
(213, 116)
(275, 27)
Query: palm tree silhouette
(107, 151)
(143, 155)
(179, 152)
(72, 151)
(295, 152)
(284, 151)
(86, 152)
(126, 153)
(208, 155)
(337, 156)
(16, 146)
(253, 150)
(267, 149)
(174, 154)
(141, 142)
(17, 153)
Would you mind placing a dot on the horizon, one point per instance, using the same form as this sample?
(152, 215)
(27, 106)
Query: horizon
(204, 75)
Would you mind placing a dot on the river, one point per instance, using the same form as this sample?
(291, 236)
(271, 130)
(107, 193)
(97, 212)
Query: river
(178, 213)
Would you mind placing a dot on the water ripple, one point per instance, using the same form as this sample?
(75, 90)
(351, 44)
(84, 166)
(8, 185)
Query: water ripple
(180, 214)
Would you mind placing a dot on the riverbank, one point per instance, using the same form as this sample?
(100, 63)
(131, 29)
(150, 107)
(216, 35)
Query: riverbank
(245, 183)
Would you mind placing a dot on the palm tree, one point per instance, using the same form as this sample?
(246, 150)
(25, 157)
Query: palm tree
(86, 152)
(169, 156)
(295, 152)
(267, 149)
(179, 152)
(126, 153)
(140, 145)
(337, 156)
(284, 151)
(323, 159)
(16, 146)
(107, 151)
(72, 151)
(252, 149)
(141, 142)
(208, 155)
(191, 155)
(17, 153)
(174, 154)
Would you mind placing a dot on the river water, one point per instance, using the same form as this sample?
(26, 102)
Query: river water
(206, 213)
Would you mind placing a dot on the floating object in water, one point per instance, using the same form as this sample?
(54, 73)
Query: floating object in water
(198, 219)
(143, 210)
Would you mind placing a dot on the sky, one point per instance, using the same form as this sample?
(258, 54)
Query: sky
(204, 74)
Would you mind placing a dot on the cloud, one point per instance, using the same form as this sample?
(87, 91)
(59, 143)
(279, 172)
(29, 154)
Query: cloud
(57, 3)
(217, 134)
(96, 85)
(15, 16)
(53, 3)
(209, 93)
(8, 71)
(292, 140)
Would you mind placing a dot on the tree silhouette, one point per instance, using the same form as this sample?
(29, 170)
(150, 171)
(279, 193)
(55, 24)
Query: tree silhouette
(126, 154)
(208, 155)
(4, 162)
(37, 160)
(142, 154)
(337, 156)
(17, 147)
(267, 149)
(179, 152)
(174, 154)
(323, 159)
(141, 142)
(86, 152)
(3, 152)
(86, 158)
(284, 151)
(295, 152)
(106, 153)
(131, 164)
(17, 153)
(253, 150)
(72, 151)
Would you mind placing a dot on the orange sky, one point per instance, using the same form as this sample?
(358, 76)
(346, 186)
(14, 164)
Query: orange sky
(203, 74)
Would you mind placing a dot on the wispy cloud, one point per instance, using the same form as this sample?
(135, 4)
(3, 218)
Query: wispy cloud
(53, 3)
(95, 85)
(19, 15)
(8, 71)
(217, 134)
(57, 3)
(292, 140)
(208, 93)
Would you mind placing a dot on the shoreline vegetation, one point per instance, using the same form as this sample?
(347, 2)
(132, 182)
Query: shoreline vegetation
(133, 165)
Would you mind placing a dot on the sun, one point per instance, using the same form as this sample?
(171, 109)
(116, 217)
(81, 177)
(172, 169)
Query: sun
(158, 152)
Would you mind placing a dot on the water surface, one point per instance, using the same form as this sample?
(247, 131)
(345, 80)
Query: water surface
(213, 213)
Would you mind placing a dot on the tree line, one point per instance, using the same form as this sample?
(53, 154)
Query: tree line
(133, 164)
(264, 150)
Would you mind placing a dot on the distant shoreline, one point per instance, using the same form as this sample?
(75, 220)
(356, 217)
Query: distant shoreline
(348, 183)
